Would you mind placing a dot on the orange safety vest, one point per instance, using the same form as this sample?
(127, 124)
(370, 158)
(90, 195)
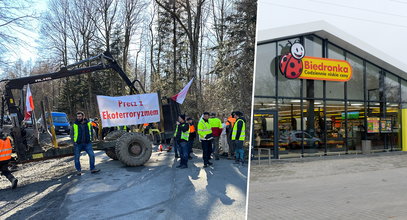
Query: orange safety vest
(191, 129)
(5, 149)
(231, 121)
(94, 124)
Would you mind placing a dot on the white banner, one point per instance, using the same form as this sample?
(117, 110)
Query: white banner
(129, 110)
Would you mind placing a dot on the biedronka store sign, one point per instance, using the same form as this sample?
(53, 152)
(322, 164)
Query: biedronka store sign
(296, 65)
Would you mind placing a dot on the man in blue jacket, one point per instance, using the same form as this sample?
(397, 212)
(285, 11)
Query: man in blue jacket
(81, 134)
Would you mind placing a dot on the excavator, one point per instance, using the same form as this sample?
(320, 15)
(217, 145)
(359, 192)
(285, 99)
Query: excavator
(30, 144)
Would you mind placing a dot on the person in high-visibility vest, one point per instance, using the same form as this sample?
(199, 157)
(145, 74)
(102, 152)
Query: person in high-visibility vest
(238, 137)
(122, 128)
(216, 125)
(95, 127)
(192, 136)
(182, 137)
(5, 157)
(82, 134)
(229, 126)
(206, 137)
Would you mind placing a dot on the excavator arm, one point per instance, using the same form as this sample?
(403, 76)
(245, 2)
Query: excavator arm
(106, 62)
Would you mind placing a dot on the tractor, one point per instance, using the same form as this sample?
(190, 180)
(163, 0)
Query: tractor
(30, 144)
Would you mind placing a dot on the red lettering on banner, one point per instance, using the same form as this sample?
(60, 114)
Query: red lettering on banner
(129, 104)
(118, 115)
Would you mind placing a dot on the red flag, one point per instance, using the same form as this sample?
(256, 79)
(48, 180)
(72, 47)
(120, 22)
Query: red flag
(180, 97)
(29, 104)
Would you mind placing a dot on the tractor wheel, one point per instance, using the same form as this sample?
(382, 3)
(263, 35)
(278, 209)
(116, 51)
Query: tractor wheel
(133, 149)
(111, 153)
(114, 135)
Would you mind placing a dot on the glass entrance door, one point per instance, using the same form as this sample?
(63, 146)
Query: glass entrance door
(265, 134)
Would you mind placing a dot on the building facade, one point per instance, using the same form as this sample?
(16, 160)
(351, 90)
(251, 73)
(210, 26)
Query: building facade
(320, 117)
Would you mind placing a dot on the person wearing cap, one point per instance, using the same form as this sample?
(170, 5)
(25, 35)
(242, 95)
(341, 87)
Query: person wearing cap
(5, 157)
(192, 136)
(216, 126)
(182, 137)
(238, 137)
(205, 136)
(229, 126)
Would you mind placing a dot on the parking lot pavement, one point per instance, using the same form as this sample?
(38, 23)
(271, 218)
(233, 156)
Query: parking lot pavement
(158, 190)
(346, 187)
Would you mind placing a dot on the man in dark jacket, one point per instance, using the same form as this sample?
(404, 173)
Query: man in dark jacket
(182, 137)
(238, 136)
(81, 134)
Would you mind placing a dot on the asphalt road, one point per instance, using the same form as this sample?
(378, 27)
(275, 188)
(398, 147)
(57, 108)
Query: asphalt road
(50, 190)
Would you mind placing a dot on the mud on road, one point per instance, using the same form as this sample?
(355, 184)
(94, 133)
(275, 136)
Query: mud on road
(41, 190)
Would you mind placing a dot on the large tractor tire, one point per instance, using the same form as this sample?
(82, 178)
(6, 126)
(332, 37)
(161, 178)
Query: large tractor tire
(111, 152)
(114, 135)
(133, 149)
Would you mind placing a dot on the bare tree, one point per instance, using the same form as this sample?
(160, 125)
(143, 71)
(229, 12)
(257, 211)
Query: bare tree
(15, 19)
(132, 16)
(192, 28)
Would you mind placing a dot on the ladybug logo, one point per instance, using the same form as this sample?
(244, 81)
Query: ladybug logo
(291, 64)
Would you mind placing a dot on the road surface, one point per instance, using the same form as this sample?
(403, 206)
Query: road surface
(346, 187)
(50, 190)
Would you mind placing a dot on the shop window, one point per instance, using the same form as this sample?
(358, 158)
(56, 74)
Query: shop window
(335, 52)
(313, 48)
(404, 90)
(335, 126)
(391, 88)
(265, 80)
(264, 103)
(287, 87)
(355, 84)
(263, 131)
(391, 126)
(356, 126)
(335, 90)
(372, 82)
(289, 124)
(313, 127)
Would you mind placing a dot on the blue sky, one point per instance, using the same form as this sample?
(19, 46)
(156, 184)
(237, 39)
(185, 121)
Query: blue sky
(28, 50)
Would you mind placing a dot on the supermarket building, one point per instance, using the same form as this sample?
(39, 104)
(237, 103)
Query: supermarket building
(326, 110)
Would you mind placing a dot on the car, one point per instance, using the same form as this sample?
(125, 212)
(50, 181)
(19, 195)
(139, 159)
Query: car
(294, 138)
(60, 120)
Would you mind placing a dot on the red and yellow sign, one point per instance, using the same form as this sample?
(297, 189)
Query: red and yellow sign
(296, 65)
(325, 69)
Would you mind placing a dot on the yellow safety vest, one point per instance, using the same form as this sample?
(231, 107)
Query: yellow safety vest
(204, 128)
(76, 131)
(215, 123)
(184, 135)
(242, 133)
(120, 128)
